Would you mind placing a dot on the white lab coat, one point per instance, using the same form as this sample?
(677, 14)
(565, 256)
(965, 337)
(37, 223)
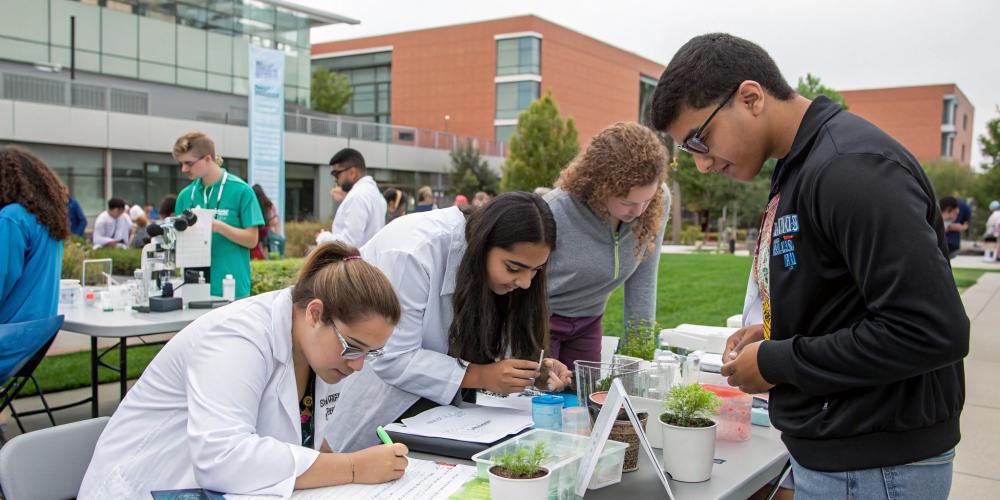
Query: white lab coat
(753, 309)
(217, 409)
(420, 254)
(360, 215)
(108, 228)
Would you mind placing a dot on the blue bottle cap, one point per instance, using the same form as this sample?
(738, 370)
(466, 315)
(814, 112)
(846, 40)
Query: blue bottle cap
(547, 399)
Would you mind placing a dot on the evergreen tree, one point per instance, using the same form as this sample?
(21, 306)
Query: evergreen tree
(470, 173)
(541, 146)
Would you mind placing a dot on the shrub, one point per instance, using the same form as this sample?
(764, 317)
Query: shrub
(270, 275)
(124, 261)
(690, 235)
(639, 339)
(301, 236)
(74, 252)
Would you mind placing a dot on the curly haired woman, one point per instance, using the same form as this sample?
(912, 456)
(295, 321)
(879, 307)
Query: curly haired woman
(33, 223)
(610, 205)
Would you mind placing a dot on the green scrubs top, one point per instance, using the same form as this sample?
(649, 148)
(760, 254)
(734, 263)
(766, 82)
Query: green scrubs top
(237, 205)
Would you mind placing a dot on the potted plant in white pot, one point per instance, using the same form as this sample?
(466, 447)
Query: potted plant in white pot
(519, 475)
(688, 432)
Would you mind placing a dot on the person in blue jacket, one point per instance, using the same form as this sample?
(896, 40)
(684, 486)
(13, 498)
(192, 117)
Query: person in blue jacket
(77, 219)
(33, 224)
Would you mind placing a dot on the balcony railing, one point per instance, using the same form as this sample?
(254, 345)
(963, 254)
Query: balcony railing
(31, 88)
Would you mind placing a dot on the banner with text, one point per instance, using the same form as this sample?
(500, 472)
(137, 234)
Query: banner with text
(266, 165)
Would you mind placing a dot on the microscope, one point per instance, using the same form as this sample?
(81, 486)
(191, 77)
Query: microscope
(160, 259)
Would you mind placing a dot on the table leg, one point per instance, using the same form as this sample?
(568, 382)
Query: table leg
(123, 366)
(93, 377)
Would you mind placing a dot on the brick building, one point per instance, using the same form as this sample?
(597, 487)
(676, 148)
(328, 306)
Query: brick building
(933, 121)
(474, 79)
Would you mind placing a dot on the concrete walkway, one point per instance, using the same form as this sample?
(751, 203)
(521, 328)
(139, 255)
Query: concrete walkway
(977, 474)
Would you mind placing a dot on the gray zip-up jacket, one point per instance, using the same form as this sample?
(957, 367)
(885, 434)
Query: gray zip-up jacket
(590, 260)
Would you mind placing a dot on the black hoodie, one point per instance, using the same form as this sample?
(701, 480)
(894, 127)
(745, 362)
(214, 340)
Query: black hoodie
(868, 331)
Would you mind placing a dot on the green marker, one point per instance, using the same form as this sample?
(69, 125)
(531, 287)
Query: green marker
(384, 436)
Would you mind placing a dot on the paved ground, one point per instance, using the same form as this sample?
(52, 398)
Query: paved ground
(977, 474)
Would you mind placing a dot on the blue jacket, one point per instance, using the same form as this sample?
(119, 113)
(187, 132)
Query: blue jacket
(77, 219)
(30, 265)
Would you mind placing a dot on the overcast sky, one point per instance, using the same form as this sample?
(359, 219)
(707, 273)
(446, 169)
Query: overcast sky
(850, 44)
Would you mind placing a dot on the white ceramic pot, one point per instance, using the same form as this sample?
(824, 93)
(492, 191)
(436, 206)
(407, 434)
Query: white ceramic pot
(652, 407)
(502, 488)
(688, 452)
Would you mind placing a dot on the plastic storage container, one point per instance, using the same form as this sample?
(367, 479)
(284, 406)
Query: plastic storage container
(70, 292)
(565, 452)
(734, 419)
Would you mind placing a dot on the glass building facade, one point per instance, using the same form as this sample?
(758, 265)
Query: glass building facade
(200, 44)
(371, 78)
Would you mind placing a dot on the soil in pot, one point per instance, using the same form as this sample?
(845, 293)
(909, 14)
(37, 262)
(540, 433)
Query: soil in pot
(504, 473)
(700, 422)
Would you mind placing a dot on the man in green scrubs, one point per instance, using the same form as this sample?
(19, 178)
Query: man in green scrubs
(234, 229)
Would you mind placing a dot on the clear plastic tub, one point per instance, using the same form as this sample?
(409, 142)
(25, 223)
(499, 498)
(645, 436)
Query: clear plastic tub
(565, 452)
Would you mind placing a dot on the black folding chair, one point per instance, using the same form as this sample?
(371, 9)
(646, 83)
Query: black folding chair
(13, 386)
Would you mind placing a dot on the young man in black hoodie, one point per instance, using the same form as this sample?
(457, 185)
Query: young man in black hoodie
(864, 332)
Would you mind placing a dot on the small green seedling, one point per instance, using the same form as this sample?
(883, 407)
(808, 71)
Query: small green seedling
(522, 463)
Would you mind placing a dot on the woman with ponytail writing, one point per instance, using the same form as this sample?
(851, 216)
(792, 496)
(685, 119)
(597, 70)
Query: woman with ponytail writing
(229, 404)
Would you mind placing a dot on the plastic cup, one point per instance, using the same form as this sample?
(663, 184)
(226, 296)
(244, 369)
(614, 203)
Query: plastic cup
(546, 412)
(576, 420)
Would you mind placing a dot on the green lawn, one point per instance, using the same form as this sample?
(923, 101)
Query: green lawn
(964, 278)
(71, 371)
(697, 288)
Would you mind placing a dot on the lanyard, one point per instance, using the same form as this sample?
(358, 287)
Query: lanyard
(204, 192)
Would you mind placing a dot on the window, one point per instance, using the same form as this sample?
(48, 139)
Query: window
(81, 169)
(503, 133)
(517, 56)
(947, 144)
(300, 181)
(371, 77)
(145, 177)
(647, 85)
(963, 154)
(965, 121)
(949, 111)
(514, 97)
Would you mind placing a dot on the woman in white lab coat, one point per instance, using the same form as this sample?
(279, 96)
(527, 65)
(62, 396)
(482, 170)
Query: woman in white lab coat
(475, 314)
(227, 404)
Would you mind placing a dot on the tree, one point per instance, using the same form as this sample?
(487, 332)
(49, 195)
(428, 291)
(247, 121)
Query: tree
(541, 146)
(330, 91)
(811, 88)
(950, 178)
(706, 194)
(991, 143)
(469, 172)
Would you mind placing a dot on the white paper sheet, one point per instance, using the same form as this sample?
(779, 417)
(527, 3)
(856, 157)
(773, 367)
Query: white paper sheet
(423, 480)
(477, 424)
(194, 244)
(512, 401)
